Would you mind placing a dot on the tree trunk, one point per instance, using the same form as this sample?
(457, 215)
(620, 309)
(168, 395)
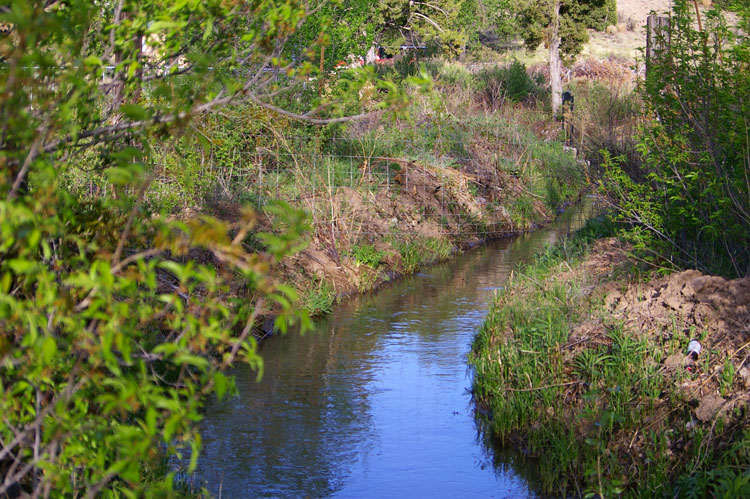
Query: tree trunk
(555, 65)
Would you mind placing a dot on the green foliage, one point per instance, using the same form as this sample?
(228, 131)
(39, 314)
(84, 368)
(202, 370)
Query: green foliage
(107, 357)
(455, 75)
(535, 17)
(440, 22)
(118, 321)
(692, 193)
(605, 118)
(510, 82)
(347, 27)
(319, 298)
(421, 251)
(366, 254)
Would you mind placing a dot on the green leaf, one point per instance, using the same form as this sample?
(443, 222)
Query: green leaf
(49, 349)
(221, 383)
(158, 26)
(134, 112)
(191, 360)
(209, 29)
(22, 266)
(93, 60)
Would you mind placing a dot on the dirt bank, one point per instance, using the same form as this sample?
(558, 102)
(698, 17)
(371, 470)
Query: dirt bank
(619, 405)
(713, 310)
(401, 214)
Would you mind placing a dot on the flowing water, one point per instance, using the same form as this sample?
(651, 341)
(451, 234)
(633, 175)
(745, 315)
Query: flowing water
(375, 402)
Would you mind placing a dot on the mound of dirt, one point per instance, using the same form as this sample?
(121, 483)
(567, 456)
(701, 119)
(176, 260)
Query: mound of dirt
(705, 303)
(606, 256)
(711, 308)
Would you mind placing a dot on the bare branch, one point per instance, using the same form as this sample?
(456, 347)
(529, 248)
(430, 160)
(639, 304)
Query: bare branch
(25, 168)
(436, 25)
(306, 118)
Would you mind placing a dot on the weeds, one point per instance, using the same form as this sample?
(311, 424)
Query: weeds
(420, 251)
(366, 254)
(319, 298)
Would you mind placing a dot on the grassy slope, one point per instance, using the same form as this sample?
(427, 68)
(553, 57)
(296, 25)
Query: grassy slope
(593, 401)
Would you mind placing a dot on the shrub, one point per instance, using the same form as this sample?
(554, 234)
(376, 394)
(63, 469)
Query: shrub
(510, 82)
(693, 193)
(605, 118)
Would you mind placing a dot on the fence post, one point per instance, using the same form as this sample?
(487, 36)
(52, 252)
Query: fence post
(658, 38)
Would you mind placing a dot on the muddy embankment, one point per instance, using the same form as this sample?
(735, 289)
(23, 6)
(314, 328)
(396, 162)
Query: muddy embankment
(709, 309)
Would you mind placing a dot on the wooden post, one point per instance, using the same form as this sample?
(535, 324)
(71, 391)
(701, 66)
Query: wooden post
(658, 37)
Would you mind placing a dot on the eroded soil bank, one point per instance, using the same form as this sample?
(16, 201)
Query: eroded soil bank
(583, 362)
(402, 214)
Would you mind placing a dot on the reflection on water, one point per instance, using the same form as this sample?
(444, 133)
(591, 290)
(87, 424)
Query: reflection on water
(375, 401)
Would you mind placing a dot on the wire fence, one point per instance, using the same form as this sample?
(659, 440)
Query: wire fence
(456, 186)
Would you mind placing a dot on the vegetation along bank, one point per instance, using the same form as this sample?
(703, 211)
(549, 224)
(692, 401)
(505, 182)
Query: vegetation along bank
(618, 360)
(172, 172)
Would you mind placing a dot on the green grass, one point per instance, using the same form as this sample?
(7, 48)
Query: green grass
(366, 254)
(319, 298)
(419, 251)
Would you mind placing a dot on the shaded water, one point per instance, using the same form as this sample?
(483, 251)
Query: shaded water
(375, 402)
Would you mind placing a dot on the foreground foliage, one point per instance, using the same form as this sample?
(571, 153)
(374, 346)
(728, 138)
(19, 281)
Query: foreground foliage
(116, 322)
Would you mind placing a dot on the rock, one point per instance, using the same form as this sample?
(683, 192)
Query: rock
(708, 407)
(674, 361)
(745, 376)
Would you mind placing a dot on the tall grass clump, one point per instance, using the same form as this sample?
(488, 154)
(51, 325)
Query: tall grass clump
(419, 251)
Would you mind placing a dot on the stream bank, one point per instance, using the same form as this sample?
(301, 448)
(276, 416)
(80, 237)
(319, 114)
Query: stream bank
(404, 219)
(583, 363)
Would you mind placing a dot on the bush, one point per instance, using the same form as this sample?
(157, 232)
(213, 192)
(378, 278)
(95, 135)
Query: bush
(605, 118)
(510, 82)
(451, 74)
(117, 324)
(693, 193)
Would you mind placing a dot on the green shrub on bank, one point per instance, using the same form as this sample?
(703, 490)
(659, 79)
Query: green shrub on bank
(512, 82)
(367, 254)
(606, 118)
(420, 251)
(319, 298)
(690, 198)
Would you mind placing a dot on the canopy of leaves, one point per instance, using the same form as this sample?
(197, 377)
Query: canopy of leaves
(535, 17)
(410, 22)
(116, 323)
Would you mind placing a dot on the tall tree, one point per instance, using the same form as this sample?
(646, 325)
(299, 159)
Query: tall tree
(561, 26)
